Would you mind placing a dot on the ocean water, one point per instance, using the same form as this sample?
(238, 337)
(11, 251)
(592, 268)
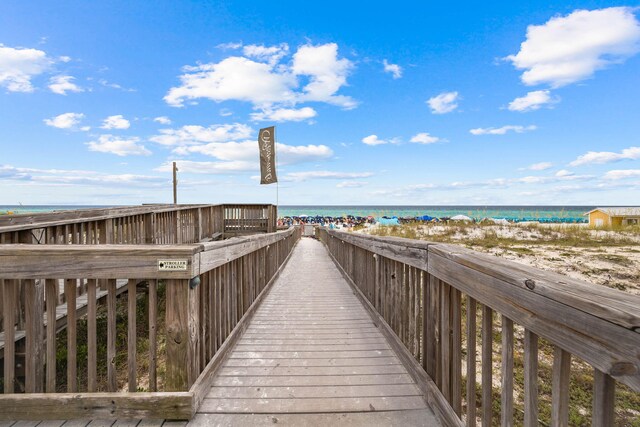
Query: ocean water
(475, 212)
(377, 211)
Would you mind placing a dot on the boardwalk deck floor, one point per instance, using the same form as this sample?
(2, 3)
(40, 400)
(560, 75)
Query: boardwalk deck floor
(311, 355)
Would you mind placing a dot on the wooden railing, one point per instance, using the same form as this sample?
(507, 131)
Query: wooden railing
(205, 293)
(458, 317)
(146, 224)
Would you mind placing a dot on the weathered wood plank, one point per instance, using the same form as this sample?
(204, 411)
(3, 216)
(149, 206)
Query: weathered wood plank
(471, 361)
(604, 391)
(312, 405)
(96, 406)
(92, 334)
(153, 335)
(111, 335)
(131, 335)
(487, 368)
(530, 379)
(560, 388)
(506, 401)
(70, 286)
(304, 392)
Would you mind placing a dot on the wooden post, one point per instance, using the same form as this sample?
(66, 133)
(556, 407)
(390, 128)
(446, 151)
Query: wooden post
(182, 335)
(175, 184)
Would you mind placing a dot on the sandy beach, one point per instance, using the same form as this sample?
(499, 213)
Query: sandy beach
(604, 257)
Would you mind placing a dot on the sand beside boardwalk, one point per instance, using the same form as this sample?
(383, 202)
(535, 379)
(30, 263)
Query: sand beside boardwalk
(603, 257)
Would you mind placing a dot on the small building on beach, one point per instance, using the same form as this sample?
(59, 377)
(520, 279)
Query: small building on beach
(614, 217)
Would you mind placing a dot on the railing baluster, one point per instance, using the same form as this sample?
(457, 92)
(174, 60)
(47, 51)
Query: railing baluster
(471, 361)
(51, 298)
(70, 289)
(604, 390)
(487, 368)
(456, 352)
(92, 345)
(153, 335)
(131, 334)
(9, 334)
(530, 379)
(560, 387)
(34, 298)
(445, 340)
(111, 335)
(506, 413)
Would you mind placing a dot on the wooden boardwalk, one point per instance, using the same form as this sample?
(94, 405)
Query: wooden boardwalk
(311, 355)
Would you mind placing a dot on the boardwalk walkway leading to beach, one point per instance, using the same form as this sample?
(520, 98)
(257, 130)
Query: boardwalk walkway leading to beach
(312, 355)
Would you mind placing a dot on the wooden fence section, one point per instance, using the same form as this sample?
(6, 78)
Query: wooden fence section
(459, 317)
(146, 224)
(248, 219)
(203, 290)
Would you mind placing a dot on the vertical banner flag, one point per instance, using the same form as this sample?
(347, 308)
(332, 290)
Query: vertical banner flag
(267, 144)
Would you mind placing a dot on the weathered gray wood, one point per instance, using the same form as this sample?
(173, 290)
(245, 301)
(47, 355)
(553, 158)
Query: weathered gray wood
(560, 388)
(312, 405)
(70, 286)
(34, 302)
(153, 335)
(202, 385)
(487, 368)
(471, 361)
(406, 251)
(530, 379)
(416, 417)
(92, 345)
(604, 391)
(96, 406)
(604, 345)
(111, 335)
(430, 391)
(9, 335)
(51, 297)
(506, 401)
(617, 307)
(93, 261)
(131, 335)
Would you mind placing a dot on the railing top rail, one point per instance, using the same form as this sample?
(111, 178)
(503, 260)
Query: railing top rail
(25, 261)
(47, 219)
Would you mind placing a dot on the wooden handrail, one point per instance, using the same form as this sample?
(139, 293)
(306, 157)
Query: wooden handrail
(599, 325)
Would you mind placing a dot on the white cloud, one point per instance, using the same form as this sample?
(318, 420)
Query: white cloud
(18, 66)
(538, 166)
(305, 176)
(270, 54)
(265, 84)
(284, 115)
(248, 151)
(425, 138)
(599, 157)
(65, 121)
(622, 174)
(115, 122)
(564, 173)
(532, 101)
(225, 112)
(373, 140)
(63, 84)
(351, 184)
(444, 103)
(163, 120)
(229, 46)
(327, 74)
(567, 49)
(502, 130)
(394, 69)
(196, 135)
(79, 177)
(118, 146)
(213, 168)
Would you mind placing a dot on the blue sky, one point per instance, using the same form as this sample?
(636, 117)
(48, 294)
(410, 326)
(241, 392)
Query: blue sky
(401, 103)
